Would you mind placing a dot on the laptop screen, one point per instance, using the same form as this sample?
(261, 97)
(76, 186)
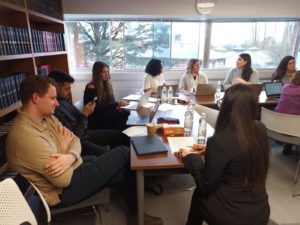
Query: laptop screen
(273, 88)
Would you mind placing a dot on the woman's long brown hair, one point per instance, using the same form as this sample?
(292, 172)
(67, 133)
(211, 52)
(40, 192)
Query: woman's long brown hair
(105, 92)
(239, 109)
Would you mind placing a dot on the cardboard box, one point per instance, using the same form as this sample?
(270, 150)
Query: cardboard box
(173, 130)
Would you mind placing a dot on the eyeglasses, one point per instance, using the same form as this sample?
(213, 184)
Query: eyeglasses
(219, 102)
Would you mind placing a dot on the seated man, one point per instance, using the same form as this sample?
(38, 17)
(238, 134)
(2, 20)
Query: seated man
(92, 141)
(48, 154)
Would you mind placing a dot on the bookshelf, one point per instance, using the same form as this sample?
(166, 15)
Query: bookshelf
(31, 36)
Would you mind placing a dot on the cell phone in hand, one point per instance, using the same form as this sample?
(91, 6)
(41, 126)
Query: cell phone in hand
(94, 100)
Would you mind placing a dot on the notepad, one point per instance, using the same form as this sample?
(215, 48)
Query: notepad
(148, 144)
(177, 143)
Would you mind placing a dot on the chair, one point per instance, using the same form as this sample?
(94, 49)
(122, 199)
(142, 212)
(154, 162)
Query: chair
(14, 209)
(94, 201)
(211, 114)
(284, 128)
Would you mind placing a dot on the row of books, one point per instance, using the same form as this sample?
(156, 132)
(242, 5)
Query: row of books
(4, 128)
(15, 2)
(46, 41)
(14, 40)
(50, 8)
(9, 88)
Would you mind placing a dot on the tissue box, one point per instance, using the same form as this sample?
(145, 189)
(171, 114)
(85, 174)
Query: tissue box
(173, 130)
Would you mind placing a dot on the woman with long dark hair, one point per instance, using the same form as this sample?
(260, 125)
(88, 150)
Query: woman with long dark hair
(243, 73)
(107, 113)
(285, 70)
(231, 181)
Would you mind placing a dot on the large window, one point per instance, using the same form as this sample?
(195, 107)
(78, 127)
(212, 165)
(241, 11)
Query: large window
(266, 42)
(128, 45)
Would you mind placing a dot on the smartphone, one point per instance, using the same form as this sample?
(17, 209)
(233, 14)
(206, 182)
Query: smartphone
(94, 100)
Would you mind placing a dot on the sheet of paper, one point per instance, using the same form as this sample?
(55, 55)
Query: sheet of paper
(176, 143)
(132, 97)
(135, 131)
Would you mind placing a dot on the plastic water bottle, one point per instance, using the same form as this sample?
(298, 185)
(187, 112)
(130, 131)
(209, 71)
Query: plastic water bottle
(164, 95)
(170, 95)
(202, 129)
(218, 90)
(188, 119)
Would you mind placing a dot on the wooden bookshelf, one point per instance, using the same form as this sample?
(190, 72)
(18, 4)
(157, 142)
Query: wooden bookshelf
(20, 51)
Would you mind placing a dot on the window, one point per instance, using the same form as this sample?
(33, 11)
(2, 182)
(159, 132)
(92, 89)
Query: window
(129, 45)
(266, 42)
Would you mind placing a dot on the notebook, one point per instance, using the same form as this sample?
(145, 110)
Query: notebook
(159, 89)
(136, 119)
(273, 89)
(206, 89)
(257, 88)
(143, 101)
(148, 144)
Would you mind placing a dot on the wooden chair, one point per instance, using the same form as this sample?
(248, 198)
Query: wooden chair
(95, 201)
(211, 114)
(284, 128)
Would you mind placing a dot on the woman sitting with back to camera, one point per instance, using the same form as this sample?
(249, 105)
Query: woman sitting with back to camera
(154, 76)
(107, 113)
(192, 77)
(243, 73)
(231, 181)
(286, 70)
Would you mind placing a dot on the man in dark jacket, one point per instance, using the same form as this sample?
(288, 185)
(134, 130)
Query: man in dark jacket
(94, 142)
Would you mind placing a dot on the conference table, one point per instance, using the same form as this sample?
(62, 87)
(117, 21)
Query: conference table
(211, 101)
(161, 163)
(168, 163)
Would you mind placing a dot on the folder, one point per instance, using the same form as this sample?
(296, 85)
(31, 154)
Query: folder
(148, 144)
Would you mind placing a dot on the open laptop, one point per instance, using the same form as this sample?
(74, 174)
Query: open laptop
(143, 101)
(159, 89)
(256, 88)
(206, 89)
(273, 89)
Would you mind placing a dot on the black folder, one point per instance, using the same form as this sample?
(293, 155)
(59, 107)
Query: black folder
(149, 144)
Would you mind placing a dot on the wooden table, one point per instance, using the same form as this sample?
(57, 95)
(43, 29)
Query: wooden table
(211, 101)
(162, 163)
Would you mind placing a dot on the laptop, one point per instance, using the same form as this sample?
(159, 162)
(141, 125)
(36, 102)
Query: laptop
(159, 89)
(273, 89)
(256, 88)
(206, 89)
(143, 101)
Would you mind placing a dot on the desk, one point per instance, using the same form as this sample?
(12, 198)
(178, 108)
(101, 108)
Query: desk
(162, 163)
(211, 101)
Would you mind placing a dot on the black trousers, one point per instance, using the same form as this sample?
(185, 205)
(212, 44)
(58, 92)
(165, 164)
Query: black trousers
(95, 142)
(97, 172)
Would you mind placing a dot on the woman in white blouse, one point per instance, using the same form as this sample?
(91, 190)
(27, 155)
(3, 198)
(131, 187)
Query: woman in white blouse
(154, 76)
(192, 77)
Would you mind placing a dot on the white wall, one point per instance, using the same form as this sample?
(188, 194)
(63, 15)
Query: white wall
(186, 8)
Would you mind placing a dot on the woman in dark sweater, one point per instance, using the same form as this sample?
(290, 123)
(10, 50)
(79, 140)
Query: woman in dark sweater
(107, 113)
(231, 181)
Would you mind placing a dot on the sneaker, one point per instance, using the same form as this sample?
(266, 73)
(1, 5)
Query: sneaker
(148, 220)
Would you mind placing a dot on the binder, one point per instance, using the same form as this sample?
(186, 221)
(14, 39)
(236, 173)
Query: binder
(148, 144)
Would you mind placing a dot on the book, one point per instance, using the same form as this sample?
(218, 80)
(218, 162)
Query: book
(148, 144)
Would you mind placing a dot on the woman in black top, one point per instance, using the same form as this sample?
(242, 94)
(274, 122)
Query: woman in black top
(231, 181)
(107, 113)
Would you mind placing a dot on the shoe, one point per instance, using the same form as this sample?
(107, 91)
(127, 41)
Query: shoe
(287, 149)
(148, 220)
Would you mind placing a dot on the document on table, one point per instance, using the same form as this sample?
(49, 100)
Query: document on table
(135, 131)
(177, 143)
